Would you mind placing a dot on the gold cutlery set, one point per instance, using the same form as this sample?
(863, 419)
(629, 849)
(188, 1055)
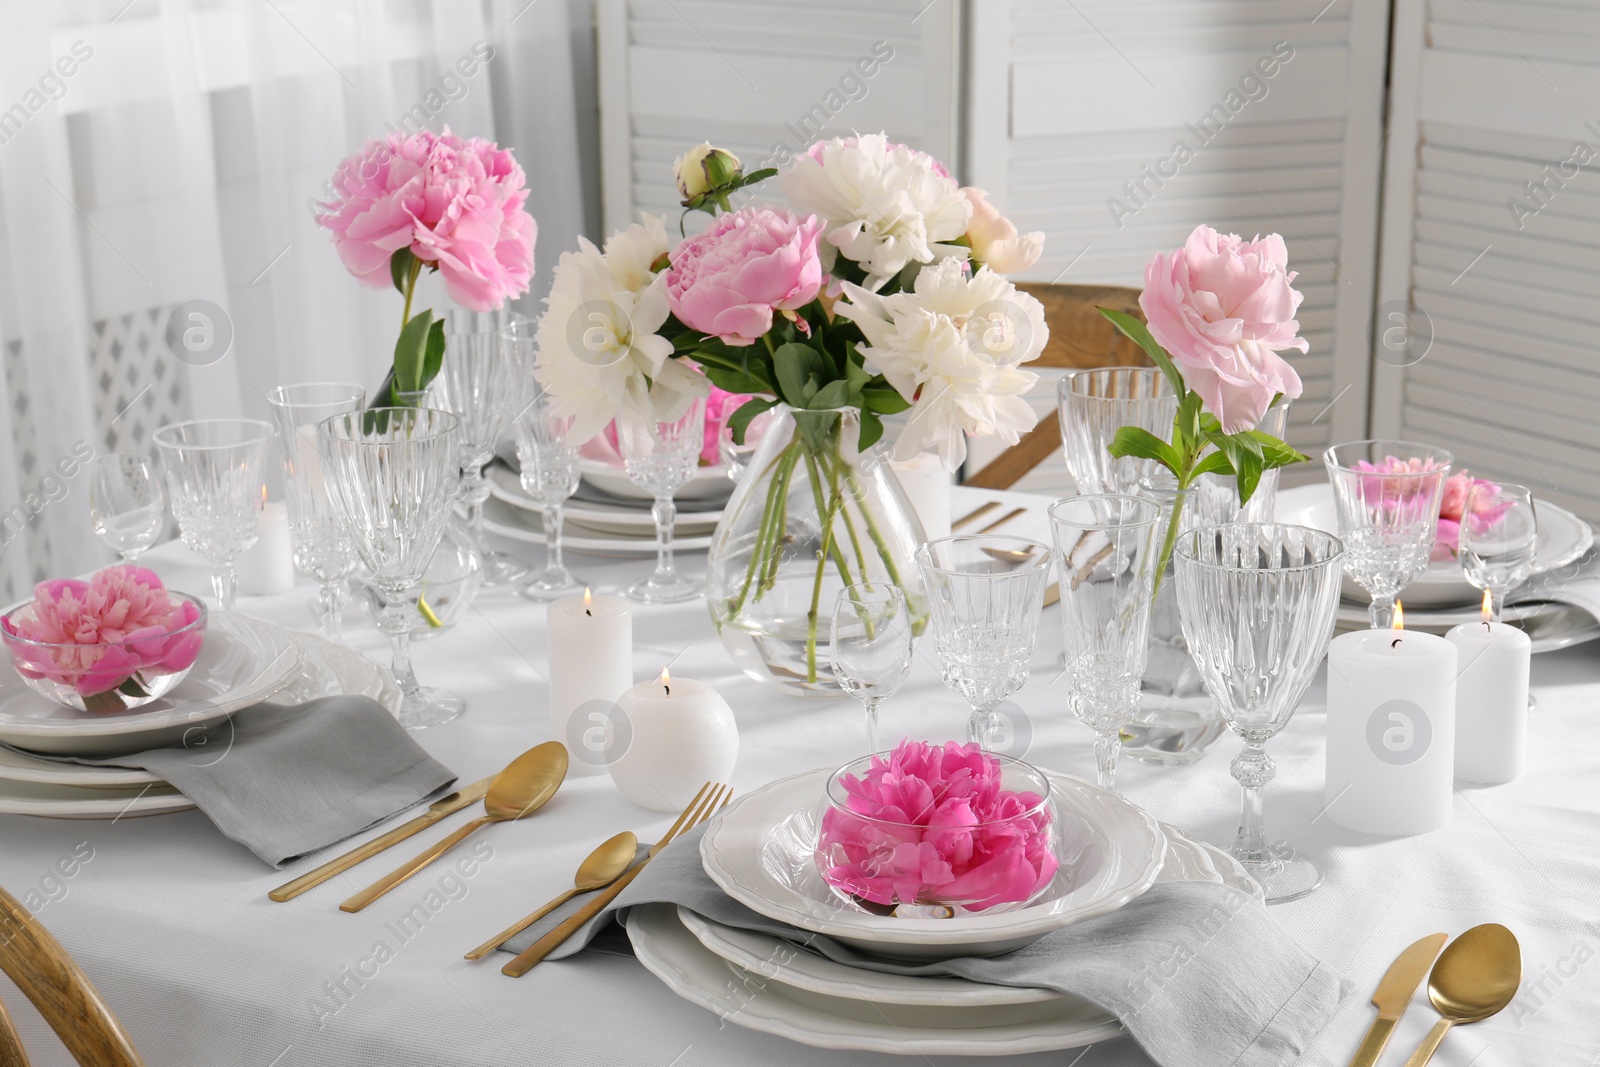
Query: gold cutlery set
(515, 793)
(1475, 977)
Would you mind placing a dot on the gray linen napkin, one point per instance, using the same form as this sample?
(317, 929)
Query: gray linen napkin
(287, 781)
(1198, 973)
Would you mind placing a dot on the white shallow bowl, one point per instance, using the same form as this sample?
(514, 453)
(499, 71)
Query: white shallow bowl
(759, 851)
(1563, 537)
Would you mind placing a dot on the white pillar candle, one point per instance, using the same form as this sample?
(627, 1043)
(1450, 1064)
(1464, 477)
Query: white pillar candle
(267, 567)
(1391, 731)
(681, 736)
(590, 645)
(927, 487)
(1491, 699)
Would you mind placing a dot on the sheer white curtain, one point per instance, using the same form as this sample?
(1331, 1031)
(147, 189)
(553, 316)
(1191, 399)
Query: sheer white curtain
(159, 153)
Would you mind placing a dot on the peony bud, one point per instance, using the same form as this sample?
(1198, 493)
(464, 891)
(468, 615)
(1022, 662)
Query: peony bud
(704, 168)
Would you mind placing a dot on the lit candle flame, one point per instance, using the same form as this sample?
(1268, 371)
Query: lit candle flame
(666, 680)
(588, 601)
(263, 497)
(1399, 617)
(1488, 610)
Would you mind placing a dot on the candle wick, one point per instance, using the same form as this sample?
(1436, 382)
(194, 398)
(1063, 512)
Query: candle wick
(1395, 643)
(1486, 626)
(668, 688)
(589, 613)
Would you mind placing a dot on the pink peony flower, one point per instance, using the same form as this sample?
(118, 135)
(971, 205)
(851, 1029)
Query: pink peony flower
(1223, 308)
(719, 405)
(932, 825)
(728, 280)
(457, 204)
(994, 239)
(93, 636)
(1394, 491)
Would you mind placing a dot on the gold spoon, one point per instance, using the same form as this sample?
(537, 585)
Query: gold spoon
(518, 791)
(609, 859)
(1475, 976)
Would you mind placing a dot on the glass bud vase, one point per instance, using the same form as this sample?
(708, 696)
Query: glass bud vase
(810, 515)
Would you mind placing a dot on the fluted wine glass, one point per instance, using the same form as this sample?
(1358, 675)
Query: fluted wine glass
(215, 470)
(1498, 538)
(660, 457)
(1107, 549)
(870, 646)
(392, 473)
(480, 382)
(985, 592)
(1387, 496)
(548, 462)
(320, 543)
(126, 503)
(1258, 602)
(1093, 405)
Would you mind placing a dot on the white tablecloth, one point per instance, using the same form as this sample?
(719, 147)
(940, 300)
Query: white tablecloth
(172, 922)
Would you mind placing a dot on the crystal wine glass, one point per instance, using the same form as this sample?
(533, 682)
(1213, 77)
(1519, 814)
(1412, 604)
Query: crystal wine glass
(1387, 496)
(659, 458)
(870, 646)
(322, 547)
(479, 382)
(1258, 602)
(1107, 550)
(1093, 405)
(1499, 532)
(985, 592)
(215, 470)
(391, 472)
(549, 474)
(126, 503)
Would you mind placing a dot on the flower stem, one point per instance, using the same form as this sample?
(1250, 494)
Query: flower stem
(823, 552)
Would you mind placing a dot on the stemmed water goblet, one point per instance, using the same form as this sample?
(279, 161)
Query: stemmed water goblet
(1258, 603)
(985, 592)
(479, 382)
(549, 475)
(1107, 550)
(215, 470)
(126, 504)
(1498, 538)
(320, 542)
(1093, 405)
(391, 473)
(1387, 496)
(870, 646)
(659, 457)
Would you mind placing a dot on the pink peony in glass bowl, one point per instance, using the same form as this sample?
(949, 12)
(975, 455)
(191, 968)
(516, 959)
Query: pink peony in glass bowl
(937, 831)
(118, 641)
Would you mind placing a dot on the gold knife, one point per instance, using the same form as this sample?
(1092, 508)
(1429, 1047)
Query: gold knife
(436, 811)
(1394, 993)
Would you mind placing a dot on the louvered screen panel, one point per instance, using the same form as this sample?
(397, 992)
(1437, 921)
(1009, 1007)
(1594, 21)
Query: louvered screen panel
(1506, 273)
(1068, 102)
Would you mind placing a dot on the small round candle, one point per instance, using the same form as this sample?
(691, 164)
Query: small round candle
(590, 643)
(681, 735)
(1491, 699)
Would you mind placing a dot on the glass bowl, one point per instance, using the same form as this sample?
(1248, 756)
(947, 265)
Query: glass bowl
(944, 861)
(113, 676)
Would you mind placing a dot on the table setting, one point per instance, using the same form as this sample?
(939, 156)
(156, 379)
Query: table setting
(768, 746)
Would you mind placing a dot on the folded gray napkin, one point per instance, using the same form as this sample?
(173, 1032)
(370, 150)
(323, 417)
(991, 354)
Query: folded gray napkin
(286, 781)
(1198, 973)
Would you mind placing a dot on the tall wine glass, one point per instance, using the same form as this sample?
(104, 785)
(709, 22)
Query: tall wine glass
(549, 474)
(870, 646)
(126, 504)
(1498, 536)
(1387, 496)
(1107, 550)
(1258, 602)
(215, 470)
(659, 458)
(392, 472)
(1093, 405)
(322, 547)
(985, 592)
(480, 382)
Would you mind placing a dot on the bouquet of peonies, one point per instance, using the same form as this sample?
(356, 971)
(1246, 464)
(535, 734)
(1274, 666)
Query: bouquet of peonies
(1453, 501)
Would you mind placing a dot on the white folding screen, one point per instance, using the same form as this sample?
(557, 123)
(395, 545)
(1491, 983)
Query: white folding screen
(1491, 245)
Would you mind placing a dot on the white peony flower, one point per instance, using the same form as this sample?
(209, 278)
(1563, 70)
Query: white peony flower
(994, 239)
(886, 205)
(599, 352)
(952, 347)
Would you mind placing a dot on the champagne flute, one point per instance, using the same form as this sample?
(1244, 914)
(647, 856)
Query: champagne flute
(660, 457)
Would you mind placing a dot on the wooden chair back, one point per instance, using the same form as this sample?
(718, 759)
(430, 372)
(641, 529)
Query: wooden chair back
(1080, 338)
(69, 1002)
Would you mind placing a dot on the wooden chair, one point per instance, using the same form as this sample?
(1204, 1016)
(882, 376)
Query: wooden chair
(66, 998)
(1080, 338)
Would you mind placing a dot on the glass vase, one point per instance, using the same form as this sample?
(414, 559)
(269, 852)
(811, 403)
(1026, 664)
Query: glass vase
(810, 515)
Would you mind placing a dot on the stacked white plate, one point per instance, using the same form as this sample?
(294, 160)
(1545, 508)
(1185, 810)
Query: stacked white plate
(612, 520)
(243, 662)
(759, 852)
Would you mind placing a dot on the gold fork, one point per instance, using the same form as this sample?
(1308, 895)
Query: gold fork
(712, 797)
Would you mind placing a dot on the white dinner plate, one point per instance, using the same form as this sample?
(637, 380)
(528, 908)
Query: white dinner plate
(670, 952)
(616, 520)
(1549, 625)
(242, 662)
(73, 802)
(760, 852)
(707, 483)
(1563, 537)
(507, 521)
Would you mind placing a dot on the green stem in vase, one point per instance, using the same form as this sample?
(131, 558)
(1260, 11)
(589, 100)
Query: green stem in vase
(1172, 535)
(769, 575)
(764, 533)
(823, 552)
(884, 553)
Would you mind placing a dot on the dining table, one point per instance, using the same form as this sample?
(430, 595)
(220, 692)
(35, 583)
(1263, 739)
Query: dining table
(172, 922)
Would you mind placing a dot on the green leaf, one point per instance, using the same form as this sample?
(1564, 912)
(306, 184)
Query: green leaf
(1248, 466)
(1136, 332)
(832, 395)
(796, 365)
(739, 421)
(1215, 463)
(384, 397)
(884, 400)
(400, 268)
(871, 431)
(410, 351)
(433, 355)
(733, 381)
(1276, 453)
(1142, 444)
(854, 372)
(1186, 424)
